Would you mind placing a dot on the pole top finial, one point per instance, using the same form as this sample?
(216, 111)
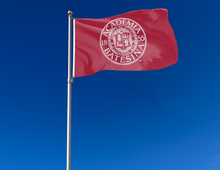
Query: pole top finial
(70, 12)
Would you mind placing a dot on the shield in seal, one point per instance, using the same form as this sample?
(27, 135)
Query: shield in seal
(123, 41)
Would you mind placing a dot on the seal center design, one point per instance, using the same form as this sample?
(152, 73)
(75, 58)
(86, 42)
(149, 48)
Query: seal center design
(122, 41)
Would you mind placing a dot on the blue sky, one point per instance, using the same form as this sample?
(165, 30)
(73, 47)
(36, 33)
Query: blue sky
(164, 119)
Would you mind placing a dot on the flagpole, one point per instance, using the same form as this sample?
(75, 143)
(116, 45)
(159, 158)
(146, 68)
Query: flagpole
(70, 80)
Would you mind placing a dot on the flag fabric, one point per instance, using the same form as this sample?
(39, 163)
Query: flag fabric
(137, 40)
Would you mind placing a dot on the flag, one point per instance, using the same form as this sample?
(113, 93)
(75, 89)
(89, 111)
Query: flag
(137, 40)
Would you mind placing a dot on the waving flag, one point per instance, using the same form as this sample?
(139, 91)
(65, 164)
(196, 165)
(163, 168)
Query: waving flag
(137, 40)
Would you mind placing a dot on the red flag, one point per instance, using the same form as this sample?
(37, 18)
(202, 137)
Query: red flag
(137, 40)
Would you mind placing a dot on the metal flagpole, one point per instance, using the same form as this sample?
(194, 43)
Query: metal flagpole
(70, 80)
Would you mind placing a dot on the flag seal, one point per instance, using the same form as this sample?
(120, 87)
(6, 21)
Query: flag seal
(123, 41)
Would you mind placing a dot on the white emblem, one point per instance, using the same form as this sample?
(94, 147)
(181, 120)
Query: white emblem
(123, 41)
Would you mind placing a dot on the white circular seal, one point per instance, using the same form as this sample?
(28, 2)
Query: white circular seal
(123, 41)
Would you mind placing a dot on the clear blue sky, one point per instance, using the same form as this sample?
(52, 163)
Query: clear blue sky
(166, 119)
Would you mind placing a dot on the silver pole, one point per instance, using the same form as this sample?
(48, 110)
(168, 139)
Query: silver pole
(68, 153)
